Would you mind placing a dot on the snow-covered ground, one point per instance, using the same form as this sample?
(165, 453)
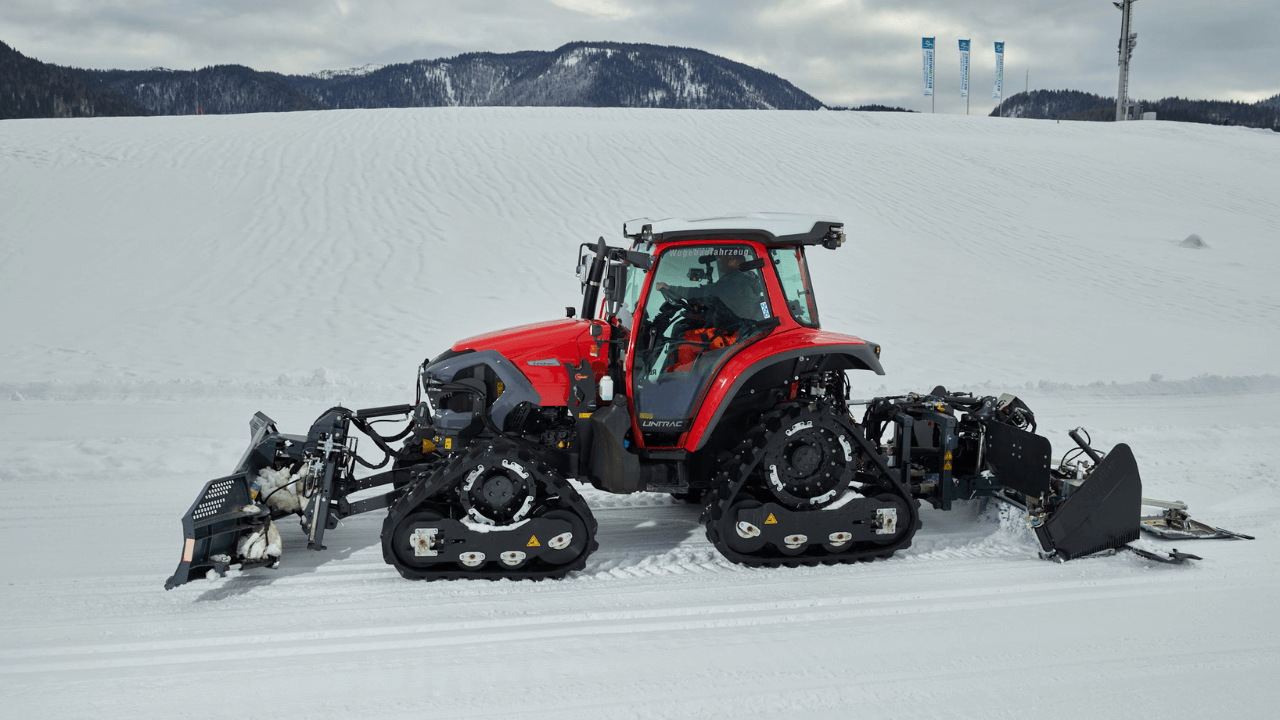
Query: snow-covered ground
(163, 278)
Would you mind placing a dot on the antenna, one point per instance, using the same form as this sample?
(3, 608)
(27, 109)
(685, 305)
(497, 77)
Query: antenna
(1128, 41)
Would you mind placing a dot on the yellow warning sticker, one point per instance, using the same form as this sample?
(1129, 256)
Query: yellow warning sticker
(533, 541)
(646, 416)
(946, 466)
(448, 443)
(583, 416)
(771, 520)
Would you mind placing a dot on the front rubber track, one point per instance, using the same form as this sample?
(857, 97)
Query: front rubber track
(438, 491)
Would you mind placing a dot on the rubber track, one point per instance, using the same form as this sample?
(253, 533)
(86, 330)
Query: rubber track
(748, 454)
(423, 490)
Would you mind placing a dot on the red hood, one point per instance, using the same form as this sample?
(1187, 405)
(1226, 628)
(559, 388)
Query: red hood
(564, 340)
(553, 339)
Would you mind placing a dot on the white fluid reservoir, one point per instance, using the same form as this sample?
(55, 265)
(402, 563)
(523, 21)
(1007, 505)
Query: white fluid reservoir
(606, 388)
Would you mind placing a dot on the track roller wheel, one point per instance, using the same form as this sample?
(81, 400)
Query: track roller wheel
(900, 520)
(741, 535)
(566, 547)
(794, 544)
(414, 540)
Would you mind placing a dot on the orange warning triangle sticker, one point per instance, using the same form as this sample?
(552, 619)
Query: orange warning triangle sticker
(771, 520)
(533, 541)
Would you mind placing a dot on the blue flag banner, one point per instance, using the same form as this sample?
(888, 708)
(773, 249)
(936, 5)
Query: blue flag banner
(964, 68)
(927, 46)
(999, 71)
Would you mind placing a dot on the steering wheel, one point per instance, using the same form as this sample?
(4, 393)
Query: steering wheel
(675, 301)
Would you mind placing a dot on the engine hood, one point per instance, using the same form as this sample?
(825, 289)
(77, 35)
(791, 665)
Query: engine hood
(549, 344)
(555, 339)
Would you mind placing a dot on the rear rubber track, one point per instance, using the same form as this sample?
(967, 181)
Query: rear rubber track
(736, 471)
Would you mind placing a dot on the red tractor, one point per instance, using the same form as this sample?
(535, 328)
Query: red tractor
(696, 367)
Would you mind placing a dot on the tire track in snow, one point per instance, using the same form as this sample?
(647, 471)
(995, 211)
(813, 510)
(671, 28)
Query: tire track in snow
(546, 626)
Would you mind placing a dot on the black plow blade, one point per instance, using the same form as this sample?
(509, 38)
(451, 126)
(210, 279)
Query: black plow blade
(1102, 514)
(218, 520)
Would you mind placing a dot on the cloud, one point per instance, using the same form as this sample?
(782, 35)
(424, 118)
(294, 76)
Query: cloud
(841, 51)
(602, 9)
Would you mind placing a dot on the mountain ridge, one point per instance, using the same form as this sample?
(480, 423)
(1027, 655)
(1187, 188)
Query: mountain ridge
(1077, 105)
(30, 88)
(578, 74)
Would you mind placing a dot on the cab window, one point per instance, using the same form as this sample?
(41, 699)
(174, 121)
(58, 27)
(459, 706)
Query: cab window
(793, 274)
(631, 294)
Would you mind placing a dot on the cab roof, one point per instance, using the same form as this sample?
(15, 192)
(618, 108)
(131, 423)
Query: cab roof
(766, 228)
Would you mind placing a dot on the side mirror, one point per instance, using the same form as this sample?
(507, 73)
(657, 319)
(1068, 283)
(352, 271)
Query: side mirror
(644, 261)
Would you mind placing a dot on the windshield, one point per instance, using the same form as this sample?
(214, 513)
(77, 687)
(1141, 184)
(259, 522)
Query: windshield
(701, 308)
(793, 273)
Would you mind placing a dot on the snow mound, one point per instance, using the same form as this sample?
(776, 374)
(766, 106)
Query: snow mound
(1194, 241)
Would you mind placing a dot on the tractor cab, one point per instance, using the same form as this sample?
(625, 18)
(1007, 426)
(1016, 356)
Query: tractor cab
(690, 295)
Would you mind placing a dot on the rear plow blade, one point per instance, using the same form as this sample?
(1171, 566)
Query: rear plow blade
(1101, 514)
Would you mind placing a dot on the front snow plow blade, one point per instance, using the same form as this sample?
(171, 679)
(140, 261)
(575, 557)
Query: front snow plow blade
(222, 525)
(232, 523)
(1102, 513)
(225, 525)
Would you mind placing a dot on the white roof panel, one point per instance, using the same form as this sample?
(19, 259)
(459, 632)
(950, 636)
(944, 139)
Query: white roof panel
(776, 224)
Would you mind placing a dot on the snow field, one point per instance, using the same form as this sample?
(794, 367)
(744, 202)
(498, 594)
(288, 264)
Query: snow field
(163, 278)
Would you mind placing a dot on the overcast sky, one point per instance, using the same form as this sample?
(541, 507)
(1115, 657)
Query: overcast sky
(844, 52)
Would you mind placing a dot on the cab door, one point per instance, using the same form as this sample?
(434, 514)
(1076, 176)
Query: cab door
(704, 302)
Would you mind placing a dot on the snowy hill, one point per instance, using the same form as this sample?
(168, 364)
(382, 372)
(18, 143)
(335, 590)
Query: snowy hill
(218, 90)
(575, 75)
(163, 278)
(30, 88)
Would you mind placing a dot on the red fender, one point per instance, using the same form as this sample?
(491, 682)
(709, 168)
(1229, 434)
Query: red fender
(772, 348)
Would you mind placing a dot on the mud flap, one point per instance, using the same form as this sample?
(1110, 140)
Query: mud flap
(1102, 514)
